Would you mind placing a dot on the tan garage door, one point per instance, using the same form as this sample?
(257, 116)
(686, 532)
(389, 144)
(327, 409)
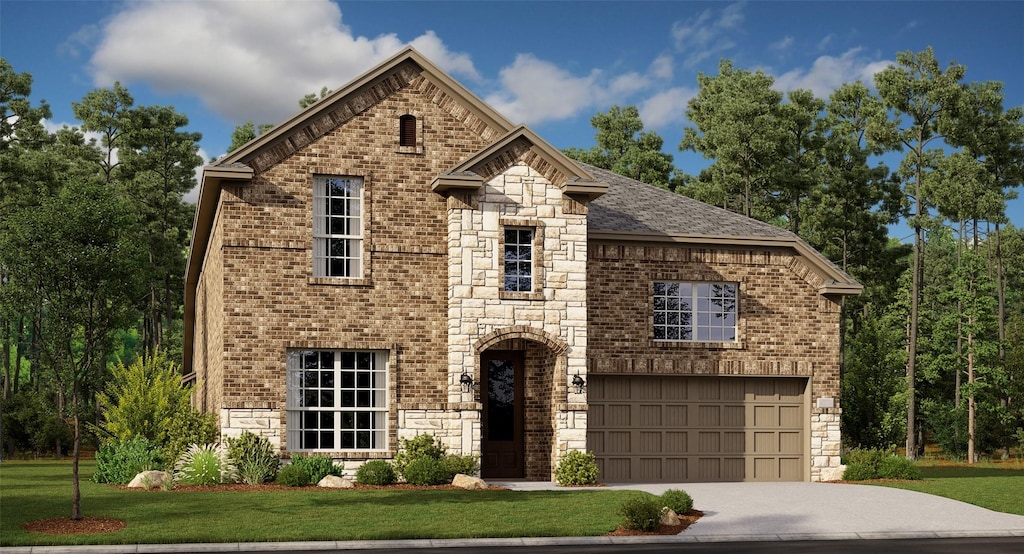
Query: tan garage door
(679, 429)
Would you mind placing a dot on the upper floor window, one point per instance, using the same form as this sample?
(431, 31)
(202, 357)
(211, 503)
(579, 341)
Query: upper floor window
(407, 130)
(337, 400)
(518, 268)
(337, 226)
(700, 312)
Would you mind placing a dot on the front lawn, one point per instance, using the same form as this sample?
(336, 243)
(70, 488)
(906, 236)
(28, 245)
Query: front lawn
(998, 487)
(31, 491)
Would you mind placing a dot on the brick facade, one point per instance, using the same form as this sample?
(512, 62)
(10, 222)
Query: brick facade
(430, 293)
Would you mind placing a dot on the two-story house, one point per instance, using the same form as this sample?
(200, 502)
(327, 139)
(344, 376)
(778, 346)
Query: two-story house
(399, 258)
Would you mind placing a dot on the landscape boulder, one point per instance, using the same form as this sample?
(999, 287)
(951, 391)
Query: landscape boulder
(335, 482)
(669, 517)
(151, 480)
(464, 481)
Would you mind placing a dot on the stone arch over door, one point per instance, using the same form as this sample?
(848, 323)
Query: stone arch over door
(543, 367)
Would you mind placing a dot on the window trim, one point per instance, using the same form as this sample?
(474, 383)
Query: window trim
(380, 413)
(321, 235)
(736, 342)
(536, 291)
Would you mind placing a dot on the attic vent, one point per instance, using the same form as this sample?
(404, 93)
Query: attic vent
(407, 130)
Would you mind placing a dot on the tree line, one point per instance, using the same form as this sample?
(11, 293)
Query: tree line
(931, 351)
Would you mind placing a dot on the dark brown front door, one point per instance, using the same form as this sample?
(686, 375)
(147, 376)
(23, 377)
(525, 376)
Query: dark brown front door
(502, 394)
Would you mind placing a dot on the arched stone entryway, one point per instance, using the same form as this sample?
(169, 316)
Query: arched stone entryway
(522, 376)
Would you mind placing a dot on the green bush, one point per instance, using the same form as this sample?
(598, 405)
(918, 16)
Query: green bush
(678, 500)
(189, 427)
(641, 512)
(376, 472)
(293, 476)
(205, 465)
(898, 467)
(874, 463)
(31, 423)
(254, 457)
(119, 461)
(455, 464)
(426, 471)
(317, 466)
(421, 446)
(576, 468)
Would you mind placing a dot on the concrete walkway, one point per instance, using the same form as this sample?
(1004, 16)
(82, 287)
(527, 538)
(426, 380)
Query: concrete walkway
(732, 512)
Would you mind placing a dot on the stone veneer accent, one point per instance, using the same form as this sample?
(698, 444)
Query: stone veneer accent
(482, 317)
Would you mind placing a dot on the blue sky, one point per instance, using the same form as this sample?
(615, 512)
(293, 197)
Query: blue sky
(552, 65)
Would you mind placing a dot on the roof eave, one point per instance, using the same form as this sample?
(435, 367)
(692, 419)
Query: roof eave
(202, 227)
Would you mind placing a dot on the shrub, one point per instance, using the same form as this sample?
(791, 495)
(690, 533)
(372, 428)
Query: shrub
(873, 463)
(421, 446)
(678, 500)
(455, 464)
(376, 472)
(30, 422)
(317, 466)
(293, 476)
(898, 467)
(189, 427)
(576, 468)
(119, 461)
(641, 512)
(205, 465)
(142, 398)
(254, 457)
(426, 471)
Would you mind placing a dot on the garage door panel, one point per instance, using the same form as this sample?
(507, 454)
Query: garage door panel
(694, 428)
(650, 415)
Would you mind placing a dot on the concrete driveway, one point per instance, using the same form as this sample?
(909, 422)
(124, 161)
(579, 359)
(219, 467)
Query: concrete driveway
(793, 511)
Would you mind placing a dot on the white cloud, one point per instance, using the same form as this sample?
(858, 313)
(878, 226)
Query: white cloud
(828, 73)
(247, 60)
(706, 34)
(666, 108)
(536, 90)
(826, 41)
(661, 67)
(782, 44)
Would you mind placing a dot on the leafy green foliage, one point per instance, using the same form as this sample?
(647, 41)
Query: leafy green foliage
(188, 427)
(576, 468)
(32, 423)
(455, 464)
(119, 461)
(293, 475)
(376, 472)
(678, 500)
(254, 457)
(142, 398)
(641, 512)
(420, 446)
(317, 466)
(875, 463)
(426, 471)
(205, 465)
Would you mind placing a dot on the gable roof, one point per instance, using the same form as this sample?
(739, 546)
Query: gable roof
(636, 211)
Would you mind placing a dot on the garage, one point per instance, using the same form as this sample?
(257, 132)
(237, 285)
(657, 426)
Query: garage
(645, 428)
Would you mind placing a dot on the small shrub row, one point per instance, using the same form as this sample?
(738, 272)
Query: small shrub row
(118, 461)
(254, 457)
(376, 472)
(876, 463)
(642, 512)
(422, 460)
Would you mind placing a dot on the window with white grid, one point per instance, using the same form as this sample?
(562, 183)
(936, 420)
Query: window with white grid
(518, 259)
(699, 312)
(337, 226)
(337, 400)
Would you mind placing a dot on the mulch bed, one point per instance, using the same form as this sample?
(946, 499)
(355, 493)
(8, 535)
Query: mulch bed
(67, 526)
(266, 487)
(685, 520)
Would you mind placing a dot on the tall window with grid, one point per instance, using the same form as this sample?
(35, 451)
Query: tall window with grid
(337, 400)
(337, 226)
(518, 269)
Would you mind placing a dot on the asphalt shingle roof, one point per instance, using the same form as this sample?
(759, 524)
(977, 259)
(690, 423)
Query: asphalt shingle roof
(634, 206)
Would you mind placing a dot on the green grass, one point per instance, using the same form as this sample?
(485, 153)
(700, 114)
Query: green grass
(36, 490)
(998, 487)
